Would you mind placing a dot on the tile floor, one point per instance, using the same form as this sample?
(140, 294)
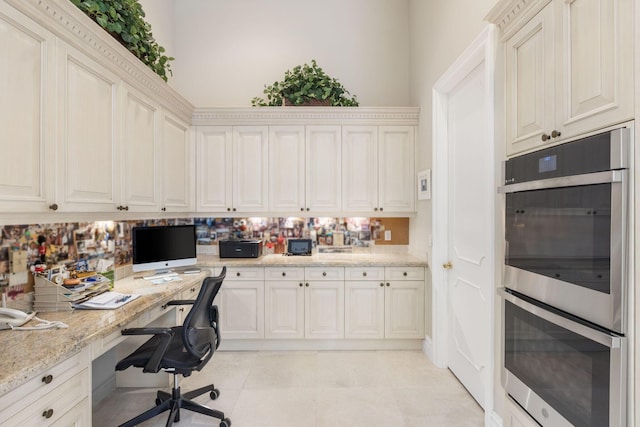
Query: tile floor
(315, 389)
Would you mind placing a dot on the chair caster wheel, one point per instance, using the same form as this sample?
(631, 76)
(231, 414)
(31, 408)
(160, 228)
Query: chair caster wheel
(215, 393)
(225, 423)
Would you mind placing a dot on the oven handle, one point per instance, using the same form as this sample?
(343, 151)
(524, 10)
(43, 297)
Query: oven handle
(605, 177)
(611, 341)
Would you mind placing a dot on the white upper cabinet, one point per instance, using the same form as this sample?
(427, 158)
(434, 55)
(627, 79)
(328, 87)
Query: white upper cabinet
(396, 172)
(140, 153)
(177, 173)
(250, 168)
(323, 165)
(87, 133)
(27, 125)
(214, 154)
(569, 70)
(378, 169)
(286, 168)
(304, 169)
(360, 168)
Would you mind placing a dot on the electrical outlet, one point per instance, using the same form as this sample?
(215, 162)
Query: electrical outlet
(387, 235)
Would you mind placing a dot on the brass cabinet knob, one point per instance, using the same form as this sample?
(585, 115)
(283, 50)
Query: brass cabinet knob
(48, 413)
(447, 265)
(555, 134)
(47, 379)
(53, 207)
(545, 137)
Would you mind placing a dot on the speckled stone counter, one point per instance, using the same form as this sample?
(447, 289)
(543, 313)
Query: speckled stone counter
(318, 260)
(24, 354)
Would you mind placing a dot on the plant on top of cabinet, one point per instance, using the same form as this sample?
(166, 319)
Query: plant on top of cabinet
(306, 85)
(124, 20)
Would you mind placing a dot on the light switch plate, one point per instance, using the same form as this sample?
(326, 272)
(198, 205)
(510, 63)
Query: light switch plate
(387, 234)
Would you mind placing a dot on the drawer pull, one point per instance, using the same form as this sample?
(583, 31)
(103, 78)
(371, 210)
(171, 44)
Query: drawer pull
(382, 285)
(324, 273)
(404, 274)
(364, 273)
(284, 274)
(47, 379)
(238, 274)
(306, 284)
(48, 413)
(300, 284)
(388, 284)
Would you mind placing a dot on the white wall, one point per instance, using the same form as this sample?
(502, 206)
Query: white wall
(227, 50)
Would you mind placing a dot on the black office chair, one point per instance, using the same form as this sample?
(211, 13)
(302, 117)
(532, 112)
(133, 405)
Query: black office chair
(180, 350)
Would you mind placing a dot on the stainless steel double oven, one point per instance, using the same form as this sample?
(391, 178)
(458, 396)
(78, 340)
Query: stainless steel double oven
(565, 278)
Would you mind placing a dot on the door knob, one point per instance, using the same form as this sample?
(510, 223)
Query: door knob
(447, 265)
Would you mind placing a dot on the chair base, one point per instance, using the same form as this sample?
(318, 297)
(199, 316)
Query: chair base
(175, 401)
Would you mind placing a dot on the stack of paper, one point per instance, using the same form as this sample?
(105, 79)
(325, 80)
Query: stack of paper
(49, 296)
(106, 301)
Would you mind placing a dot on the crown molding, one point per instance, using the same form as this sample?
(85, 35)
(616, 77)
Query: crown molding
(508, 15)
(306, 115)
(72, 26)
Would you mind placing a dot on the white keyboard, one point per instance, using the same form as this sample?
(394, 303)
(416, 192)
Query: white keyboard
(160, 276)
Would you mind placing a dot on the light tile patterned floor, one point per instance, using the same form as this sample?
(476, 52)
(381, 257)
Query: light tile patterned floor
(315, 389)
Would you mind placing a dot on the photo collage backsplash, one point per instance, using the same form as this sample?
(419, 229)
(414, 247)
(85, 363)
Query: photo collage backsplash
(106, 245)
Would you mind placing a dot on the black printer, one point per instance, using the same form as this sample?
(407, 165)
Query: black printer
(240, 248)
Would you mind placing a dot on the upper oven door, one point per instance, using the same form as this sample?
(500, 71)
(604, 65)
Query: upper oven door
(564, 245)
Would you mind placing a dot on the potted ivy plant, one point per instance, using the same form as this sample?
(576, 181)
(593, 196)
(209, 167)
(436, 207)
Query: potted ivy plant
(124, 20)
(306, 85)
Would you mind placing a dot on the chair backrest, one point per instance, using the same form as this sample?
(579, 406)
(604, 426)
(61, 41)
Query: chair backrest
(198, 330)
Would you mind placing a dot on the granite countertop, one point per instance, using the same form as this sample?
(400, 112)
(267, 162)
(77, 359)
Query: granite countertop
(319, 260)
(29, 353)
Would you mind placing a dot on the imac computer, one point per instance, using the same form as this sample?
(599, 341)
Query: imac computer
(162, 248)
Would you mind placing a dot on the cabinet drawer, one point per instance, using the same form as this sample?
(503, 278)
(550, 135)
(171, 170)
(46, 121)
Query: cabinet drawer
(52, 405)
(284, 273)
(324, 273)
(364, 273)
(191, 292)
(244, 273)
(404, 273)
(43, 384)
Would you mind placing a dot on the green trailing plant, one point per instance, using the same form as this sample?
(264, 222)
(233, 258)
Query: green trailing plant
(124, 20)
(306, 85)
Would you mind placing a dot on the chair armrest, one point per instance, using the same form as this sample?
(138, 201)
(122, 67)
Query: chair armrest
(146, 331)
(181, 302)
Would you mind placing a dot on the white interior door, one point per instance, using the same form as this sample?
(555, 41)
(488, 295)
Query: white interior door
(469, 235)
(463, 202)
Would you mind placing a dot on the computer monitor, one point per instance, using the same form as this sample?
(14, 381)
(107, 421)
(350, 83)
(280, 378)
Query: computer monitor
(162, 248)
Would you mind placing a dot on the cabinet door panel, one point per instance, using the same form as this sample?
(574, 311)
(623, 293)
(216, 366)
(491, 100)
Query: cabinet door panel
(324, 309)
(359, 168)
(324, 175)
(396, 168)
(364, 309)
(140, 157)
(88, 129)
(286, 168)
(530, 83)
(284, 303)
(177, 166)
(26, 176)
(241, 307)
(214, 169)
(404, 309)
(250, 171)
(596, 67)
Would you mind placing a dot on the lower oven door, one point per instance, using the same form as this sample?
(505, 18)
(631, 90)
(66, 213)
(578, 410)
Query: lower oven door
(560, 370)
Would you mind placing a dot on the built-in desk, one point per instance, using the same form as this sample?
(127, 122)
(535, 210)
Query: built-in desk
(34, 363)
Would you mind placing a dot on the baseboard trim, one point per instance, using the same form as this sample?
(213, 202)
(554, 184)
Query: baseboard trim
(427, 348)
(287, 345)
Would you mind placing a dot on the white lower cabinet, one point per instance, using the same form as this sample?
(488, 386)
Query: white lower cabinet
(56, 397)
(384, 303)
(304, 302)
(189, 294)
(284, 302)
(241, 303)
